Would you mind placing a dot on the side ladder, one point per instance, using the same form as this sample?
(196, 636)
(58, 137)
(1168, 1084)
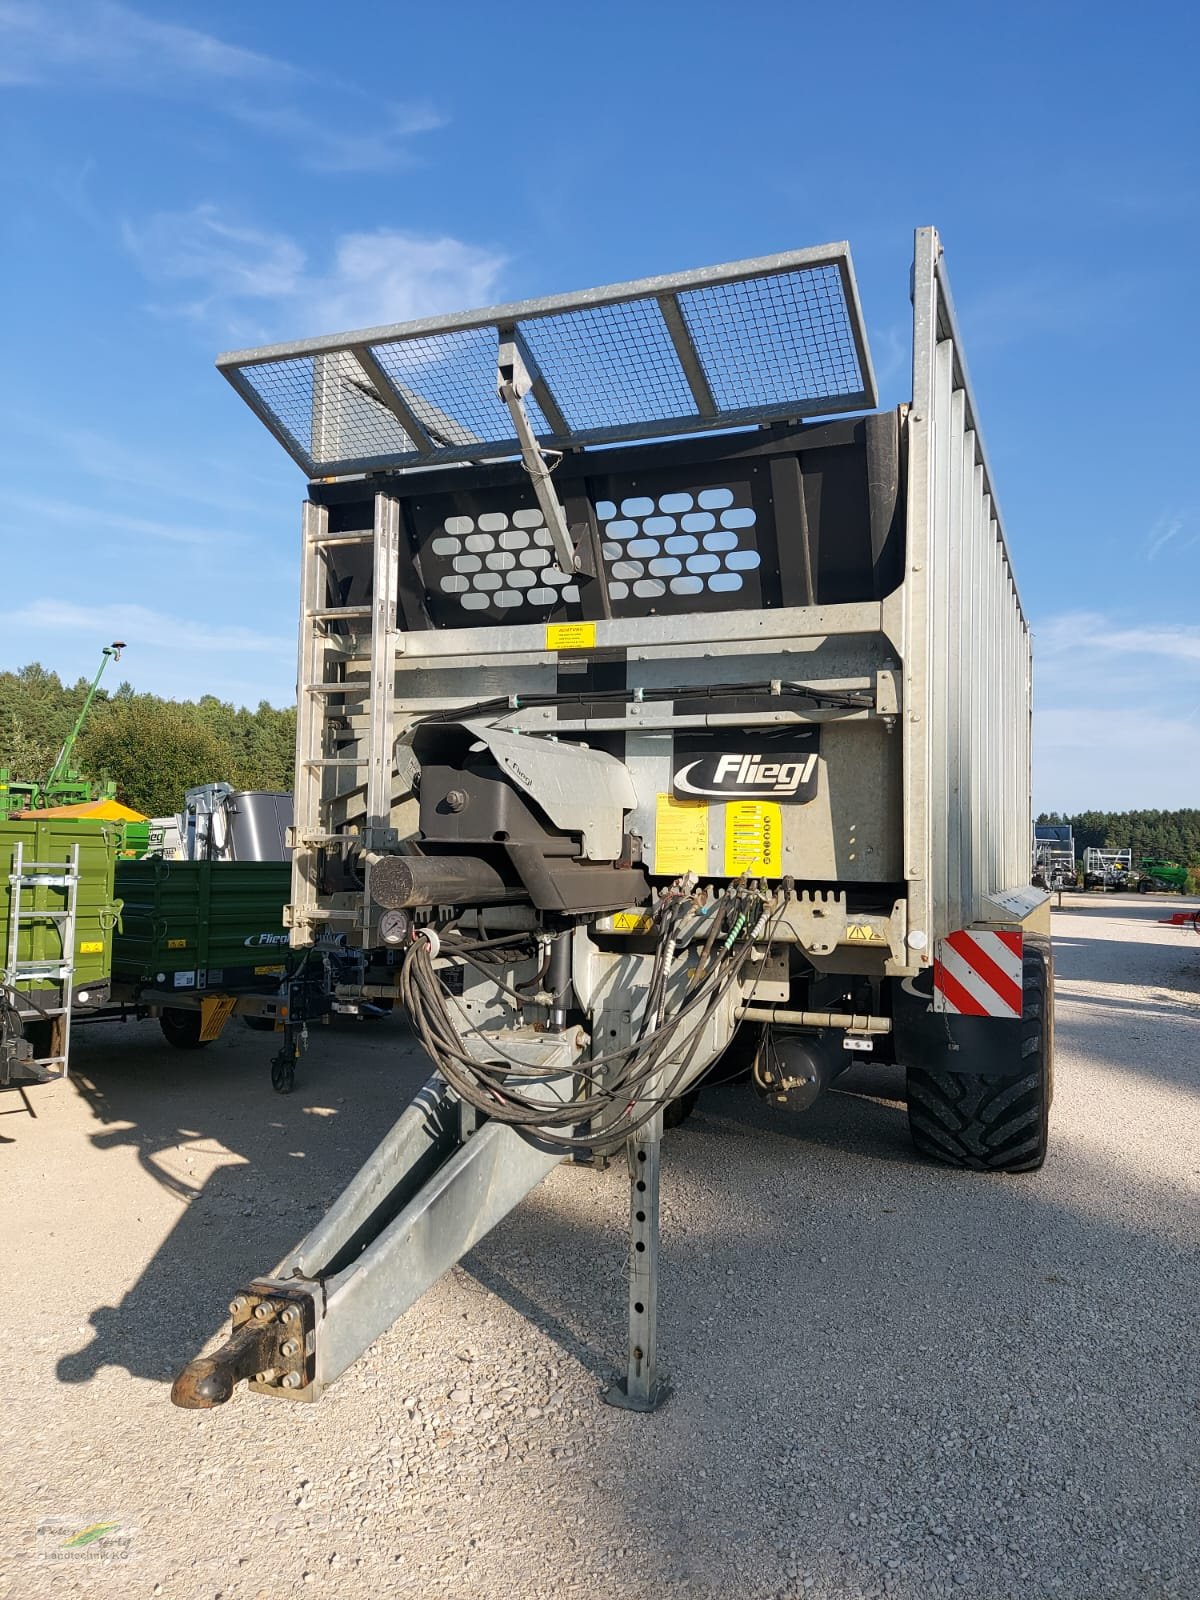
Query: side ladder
(329, 766)
(25, 880)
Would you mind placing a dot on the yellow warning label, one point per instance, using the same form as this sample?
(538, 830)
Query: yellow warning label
(680, 836)
(570, 635)
(262, 971)
(862, 933)
(753, 839)
(631, 922)
(92, 947)
(176, 944)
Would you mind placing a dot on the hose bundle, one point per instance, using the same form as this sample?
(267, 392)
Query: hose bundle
(616, 1092)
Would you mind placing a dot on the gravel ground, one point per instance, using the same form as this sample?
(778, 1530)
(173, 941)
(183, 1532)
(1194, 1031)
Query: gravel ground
(890, 1378)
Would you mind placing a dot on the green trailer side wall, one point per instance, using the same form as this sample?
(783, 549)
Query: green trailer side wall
(200, 917)
(52, 839)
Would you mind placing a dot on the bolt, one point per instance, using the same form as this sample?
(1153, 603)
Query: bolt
(456, 800)
(267, 1375)
(289, 1347)
(263, 1310)
(291, 1314)
(237, 1304)
(292, 1380)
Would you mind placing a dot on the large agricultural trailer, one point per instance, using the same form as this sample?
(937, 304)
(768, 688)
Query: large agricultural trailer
(646, 724)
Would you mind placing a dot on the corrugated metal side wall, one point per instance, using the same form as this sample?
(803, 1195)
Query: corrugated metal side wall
(968, 766)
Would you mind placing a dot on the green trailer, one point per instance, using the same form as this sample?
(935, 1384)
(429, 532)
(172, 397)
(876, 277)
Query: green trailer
(201, 941)
(58, 915)
(192, 926)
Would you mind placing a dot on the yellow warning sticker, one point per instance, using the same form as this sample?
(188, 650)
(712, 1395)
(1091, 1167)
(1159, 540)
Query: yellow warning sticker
(631, 922)
(570, 635)
(263, 971)
(753, 839)
(680, 836)
(92, 947)
(176, 944)
(862, 933)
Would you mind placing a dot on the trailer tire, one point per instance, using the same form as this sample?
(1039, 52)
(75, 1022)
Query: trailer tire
(676, 1112)
(182, 1028)
(734, 1062)
(993, 1123)
(260, 1024)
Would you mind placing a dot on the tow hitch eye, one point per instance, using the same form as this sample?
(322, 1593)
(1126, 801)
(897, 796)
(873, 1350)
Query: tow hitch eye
(271, 1344)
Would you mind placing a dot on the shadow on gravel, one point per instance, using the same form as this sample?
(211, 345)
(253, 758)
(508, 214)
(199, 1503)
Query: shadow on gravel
(288, 1158)
(940, 1382)
(890, 1376)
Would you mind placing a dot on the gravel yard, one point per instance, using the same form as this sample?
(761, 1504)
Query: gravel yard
(890, 1378)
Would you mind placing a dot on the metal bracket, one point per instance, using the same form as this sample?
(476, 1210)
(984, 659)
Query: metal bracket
(817, 919)
(513, 383)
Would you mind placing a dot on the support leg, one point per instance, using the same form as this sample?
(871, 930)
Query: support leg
(642, 1388)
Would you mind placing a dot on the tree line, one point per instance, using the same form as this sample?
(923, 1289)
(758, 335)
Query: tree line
(1174, 835)
(153, 749)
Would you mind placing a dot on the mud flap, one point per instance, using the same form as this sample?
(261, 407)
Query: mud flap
(939, 1041)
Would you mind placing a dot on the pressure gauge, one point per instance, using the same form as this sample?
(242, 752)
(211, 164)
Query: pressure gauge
(394, 927)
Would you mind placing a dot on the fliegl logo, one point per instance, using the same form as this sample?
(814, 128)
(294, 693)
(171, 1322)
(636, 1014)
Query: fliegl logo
(257, 940)
(739, 776)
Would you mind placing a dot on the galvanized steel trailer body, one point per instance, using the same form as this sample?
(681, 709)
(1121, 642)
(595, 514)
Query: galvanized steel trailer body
(730, 729)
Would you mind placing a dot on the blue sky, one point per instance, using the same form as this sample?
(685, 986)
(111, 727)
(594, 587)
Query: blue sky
(185, 178)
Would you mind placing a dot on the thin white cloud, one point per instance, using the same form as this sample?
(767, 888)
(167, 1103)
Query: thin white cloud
(33, 511)
(1087, 631)
(148, 626)
(377, 140)
(1093, 758)
(257, 284)
(1117, 717)
(114, 46)
(166, 653)
(195, 479)
(1170, 529)
(100, 45)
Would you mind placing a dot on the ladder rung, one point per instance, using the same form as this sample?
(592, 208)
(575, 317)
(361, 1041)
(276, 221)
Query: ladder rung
(359, 686)
(325, 540)
(326, 916)
(49, 866)
(330, 838)
(337, 613)
(53, 916)
(335, 761)
(24, 882)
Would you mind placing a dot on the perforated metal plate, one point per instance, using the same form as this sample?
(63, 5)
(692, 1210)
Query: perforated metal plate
(749, 342)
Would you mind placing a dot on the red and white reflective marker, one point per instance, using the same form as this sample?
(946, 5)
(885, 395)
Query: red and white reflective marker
(978, 974)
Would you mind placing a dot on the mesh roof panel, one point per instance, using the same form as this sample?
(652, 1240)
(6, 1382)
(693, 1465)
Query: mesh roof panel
(754, 341)
(770, 340)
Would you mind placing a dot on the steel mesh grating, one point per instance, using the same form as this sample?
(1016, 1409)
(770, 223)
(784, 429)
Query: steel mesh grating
(610, 366)
(328, 406)
(765, 341)
(450, 382)
(761, 340)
